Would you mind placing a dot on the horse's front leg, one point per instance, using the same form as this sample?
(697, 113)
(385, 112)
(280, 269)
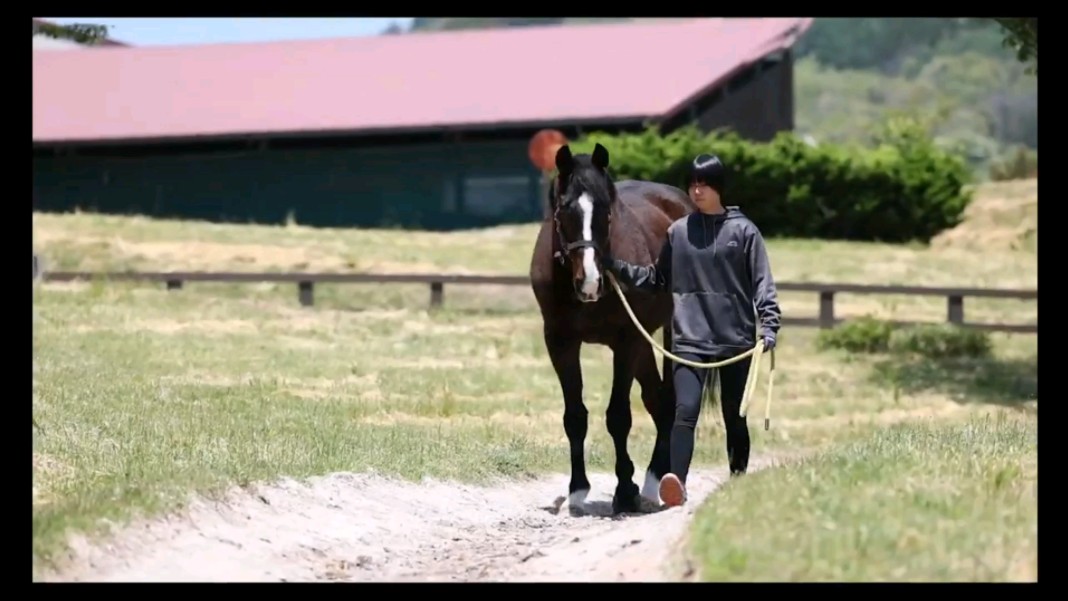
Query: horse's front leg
(619, 420)
(658, 396)
(564, 355)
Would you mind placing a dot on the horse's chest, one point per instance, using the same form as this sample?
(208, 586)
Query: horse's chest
(604, 321)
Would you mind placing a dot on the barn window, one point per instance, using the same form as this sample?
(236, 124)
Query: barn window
(496, 196)
(448, 196)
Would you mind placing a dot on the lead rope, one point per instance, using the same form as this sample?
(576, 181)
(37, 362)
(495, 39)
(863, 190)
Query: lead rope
(756, 352)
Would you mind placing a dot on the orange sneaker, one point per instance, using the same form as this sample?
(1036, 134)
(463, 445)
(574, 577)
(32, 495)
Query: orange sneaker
(672, 491)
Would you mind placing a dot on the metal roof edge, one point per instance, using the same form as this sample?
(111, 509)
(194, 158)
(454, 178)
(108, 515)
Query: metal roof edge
(786, 39)
(584, 122)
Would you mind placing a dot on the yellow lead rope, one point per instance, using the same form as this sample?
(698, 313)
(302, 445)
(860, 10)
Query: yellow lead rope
(754, 366)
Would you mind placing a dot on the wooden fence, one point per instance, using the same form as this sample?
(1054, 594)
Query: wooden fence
(826, 319)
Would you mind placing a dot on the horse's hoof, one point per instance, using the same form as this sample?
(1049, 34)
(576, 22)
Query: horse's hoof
(578, 498)
(630, 502)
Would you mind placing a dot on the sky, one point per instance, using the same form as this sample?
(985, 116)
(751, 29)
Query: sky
(142, 31)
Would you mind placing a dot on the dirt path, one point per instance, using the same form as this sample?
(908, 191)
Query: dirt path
(368, 528)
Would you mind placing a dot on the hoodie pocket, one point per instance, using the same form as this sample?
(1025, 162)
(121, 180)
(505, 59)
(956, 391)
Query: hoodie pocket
(706, 317)
(745, 328)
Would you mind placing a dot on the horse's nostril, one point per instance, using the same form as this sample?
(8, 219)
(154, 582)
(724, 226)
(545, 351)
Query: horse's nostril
(588, 288)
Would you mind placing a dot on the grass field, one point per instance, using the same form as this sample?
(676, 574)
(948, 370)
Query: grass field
(921, 502)
(144, 395)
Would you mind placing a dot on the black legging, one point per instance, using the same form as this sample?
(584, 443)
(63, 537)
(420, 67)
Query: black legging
(688, 386)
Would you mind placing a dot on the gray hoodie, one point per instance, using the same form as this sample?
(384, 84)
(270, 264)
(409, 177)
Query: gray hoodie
(716, 267)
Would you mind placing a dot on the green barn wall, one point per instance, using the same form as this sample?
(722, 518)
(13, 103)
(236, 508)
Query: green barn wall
(430, 186)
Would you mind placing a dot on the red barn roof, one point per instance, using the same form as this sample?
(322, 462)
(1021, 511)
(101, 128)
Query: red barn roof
(528, 76)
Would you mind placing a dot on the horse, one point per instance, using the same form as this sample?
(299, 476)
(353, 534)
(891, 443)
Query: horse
(589, 214)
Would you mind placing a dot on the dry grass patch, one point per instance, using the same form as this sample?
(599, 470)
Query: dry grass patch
(207, 327)
(1004, 216)
(47, 472)
(102, 242)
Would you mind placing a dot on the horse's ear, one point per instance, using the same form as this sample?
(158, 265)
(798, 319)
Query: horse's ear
(600, 156)
(564, 159)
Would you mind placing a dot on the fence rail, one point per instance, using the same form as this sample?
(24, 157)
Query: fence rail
(826, 319)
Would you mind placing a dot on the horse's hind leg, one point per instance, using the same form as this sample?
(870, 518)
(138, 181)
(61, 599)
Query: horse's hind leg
(564, 355)
(619, 419)
(658, 398)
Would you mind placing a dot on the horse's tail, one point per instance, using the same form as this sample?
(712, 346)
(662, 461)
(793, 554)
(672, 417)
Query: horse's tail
(711, 380)
(711, 400)
(667, 365)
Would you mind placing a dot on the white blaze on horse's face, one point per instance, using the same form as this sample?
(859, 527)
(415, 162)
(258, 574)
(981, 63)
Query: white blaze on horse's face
(591, 282)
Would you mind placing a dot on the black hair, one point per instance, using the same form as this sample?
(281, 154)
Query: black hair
(708, 169)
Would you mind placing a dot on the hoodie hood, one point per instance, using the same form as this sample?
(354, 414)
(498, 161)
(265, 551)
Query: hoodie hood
(730, 212)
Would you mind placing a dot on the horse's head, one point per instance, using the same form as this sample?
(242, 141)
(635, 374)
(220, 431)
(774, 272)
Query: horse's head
(581, 200)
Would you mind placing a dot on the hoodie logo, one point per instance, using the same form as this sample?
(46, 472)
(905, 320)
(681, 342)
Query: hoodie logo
(732, 243)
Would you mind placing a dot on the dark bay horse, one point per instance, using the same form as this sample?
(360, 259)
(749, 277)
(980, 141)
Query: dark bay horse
(590, 214)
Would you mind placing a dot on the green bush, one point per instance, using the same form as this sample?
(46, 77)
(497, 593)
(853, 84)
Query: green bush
(934, 341)
(903, 189)
(942, 341)
(864, 335)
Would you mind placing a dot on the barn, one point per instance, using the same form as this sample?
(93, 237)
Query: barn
(424, 130)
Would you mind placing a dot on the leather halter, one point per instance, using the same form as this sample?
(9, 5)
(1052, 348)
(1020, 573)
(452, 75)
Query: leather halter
(563, 255)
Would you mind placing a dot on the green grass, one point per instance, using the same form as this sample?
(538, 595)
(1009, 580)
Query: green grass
(145, 396)
(921, 501)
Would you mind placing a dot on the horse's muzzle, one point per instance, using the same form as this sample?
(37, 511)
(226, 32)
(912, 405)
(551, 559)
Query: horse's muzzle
(589, 290)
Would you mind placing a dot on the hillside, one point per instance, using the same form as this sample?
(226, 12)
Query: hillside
(853, 73)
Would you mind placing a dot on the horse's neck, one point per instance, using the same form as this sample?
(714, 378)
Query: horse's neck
(622, 221)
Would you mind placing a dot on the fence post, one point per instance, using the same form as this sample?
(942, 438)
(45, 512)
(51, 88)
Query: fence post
(437, 294)
(955, 309)
(174, 284)
(304, 293)
(826, 309)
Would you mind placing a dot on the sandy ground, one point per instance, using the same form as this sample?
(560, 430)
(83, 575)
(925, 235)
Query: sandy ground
(355, 527)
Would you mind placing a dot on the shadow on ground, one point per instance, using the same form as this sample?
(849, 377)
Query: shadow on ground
(1005, 382)
(600, 509)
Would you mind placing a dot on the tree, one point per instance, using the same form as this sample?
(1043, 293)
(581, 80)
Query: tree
(1021, 35)
(83, 33)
